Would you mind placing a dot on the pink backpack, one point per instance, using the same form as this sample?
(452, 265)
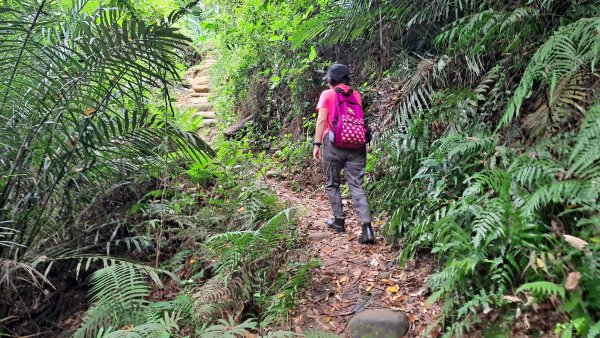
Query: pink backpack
(348, 122)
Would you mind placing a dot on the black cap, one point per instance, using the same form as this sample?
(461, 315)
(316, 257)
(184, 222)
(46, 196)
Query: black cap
(337, 73)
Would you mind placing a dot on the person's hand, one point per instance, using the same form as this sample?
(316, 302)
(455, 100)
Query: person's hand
(317, 153)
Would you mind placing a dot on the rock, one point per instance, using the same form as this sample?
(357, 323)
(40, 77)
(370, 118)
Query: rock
(195, 94)
(208, 122)
(379, 323)
(272, 174)
(199, 100)
(200, 88)
(205, 115)
(201, 106)
(202, 80)
(384, 275)
(318, 236)
(317, 179)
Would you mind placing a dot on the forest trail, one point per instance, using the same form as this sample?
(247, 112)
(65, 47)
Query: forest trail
(353, 277)
(197, 98)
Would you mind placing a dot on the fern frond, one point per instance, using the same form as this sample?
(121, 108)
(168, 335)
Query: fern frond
(575, 192)
(318, 334)
(527, 171)
(560, 109)
(571, 47)
(228, 329)
(119, 293)
(543, 288)
(461, 145)
(586, 152)
(480, 31)
(488, 224)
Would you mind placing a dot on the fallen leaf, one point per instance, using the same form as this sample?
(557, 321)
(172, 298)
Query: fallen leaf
(370, 287)
(575, 242)
(412, 318)
(572, 280)
(192, 261)
(393, 289)
(281, 295)
(352, 237)
(89, 111)
(127, 327)
(540, 262)
(328, 319)
(512, 299)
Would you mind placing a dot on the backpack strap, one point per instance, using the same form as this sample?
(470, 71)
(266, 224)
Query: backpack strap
(340, 90)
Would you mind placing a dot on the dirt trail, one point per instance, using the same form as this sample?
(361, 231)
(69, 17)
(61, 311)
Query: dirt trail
(354, 277)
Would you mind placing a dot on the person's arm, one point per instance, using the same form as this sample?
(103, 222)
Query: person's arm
(320, 127)
(321, 124)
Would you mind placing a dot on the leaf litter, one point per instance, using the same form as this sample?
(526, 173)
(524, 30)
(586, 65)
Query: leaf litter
(353, 277)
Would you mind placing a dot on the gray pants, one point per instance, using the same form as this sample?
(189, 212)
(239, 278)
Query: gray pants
(353, 162)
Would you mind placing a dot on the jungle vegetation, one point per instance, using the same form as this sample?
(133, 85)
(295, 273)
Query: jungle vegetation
(486, 156)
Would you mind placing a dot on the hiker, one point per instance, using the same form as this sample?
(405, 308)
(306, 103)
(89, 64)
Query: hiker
(341, 131)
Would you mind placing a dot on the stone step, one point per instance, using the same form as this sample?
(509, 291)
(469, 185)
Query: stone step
(201, 80)
(209, 122)
(203, 72)
(199, 100)
(205, 115)
(200, 88)
(198, 81)
(203, 66)
(201, 106)
(195, 94)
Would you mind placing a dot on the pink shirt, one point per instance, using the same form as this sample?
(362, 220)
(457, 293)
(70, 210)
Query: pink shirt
(327, 101)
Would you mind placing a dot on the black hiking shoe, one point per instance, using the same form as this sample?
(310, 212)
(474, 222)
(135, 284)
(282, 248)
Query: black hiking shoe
(337, 224)
(367, 236)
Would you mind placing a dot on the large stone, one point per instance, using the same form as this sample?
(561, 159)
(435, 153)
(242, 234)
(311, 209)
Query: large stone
(202, 79)
(205, 114)
(198, 100)
(379, 323)
(200, 88)
(209, 122)
(194, 94)
(319, 236)
(201, 106)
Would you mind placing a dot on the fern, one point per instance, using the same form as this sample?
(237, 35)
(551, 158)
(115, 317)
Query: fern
(318, 334)
(576, 192)
(594, 330)
(585, 155)
(570, 48)
(119, 293)
(227, 329)
(460, 145)
(543, 288)
(561, 108)
(488, 225)
(475, 33)
(527, 171)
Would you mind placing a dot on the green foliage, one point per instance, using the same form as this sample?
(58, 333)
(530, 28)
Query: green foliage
(119, 294)
(570, 48)
(543, 288)
(75, 92)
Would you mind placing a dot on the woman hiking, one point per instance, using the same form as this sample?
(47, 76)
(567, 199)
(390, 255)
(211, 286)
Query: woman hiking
(341, 131)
